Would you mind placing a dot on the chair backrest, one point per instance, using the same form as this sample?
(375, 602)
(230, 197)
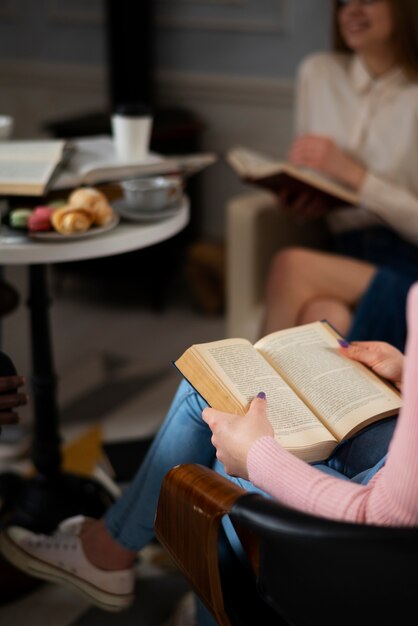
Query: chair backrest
(315, 571)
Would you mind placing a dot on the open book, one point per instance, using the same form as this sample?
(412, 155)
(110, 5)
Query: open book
(27, 167)
(94, 161)
(316, 397)
(260, 170)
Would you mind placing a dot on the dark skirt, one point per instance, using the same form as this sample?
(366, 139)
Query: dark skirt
(381, 312)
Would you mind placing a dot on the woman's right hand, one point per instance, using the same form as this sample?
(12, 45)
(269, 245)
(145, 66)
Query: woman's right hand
(385, 360)
(321, 153)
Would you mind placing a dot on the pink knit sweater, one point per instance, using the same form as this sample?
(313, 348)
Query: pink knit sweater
(390, 498)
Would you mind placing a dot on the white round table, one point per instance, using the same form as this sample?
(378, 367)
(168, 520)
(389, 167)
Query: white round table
(53, 495)
(17, 249)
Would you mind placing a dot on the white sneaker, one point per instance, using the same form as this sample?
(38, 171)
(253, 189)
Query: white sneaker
(60, 558)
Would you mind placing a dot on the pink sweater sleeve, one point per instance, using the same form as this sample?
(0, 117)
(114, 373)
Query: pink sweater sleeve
(390, 498)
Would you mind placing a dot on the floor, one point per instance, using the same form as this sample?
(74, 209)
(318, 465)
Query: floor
(114, 360)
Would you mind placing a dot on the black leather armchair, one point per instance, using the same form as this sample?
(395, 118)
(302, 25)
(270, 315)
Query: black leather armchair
(306, 570)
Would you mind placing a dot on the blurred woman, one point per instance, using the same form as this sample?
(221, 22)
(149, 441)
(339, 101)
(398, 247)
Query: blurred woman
(356, 122)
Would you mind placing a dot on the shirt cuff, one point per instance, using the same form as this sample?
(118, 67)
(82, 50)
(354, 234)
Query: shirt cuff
(373, 192)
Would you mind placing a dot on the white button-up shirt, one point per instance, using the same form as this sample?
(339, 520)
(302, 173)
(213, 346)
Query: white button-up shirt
(375, 121)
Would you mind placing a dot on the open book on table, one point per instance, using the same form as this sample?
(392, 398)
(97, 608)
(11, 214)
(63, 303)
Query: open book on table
(27, 168)
(94, 161)
(260, 170)
(316, 397)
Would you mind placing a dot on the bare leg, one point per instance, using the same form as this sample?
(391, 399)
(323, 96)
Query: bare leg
(336, 313)
(299, 277)
(102, 550)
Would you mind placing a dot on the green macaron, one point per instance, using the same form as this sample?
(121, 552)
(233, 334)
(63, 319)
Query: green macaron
(18, 218)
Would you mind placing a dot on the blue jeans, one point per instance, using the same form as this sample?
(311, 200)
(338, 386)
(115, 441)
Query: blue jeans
(185, 438)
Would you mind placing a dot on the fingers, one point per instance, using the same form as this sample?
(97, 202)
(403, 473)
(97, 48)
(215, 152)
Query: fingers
(9, 383)
(258, 406)
(312, 151)
(359, 352)
(283, 196)
(303, 204)
(208, 416)
(12, 400)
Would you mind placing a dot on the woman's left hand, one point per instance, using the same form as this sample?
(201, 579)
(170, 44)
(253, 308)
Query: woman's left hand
(233, 435)
(303, 206)
(322, 154)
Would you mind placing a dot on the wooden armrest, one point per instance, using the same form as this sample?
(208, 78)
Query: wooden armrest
(192, 501)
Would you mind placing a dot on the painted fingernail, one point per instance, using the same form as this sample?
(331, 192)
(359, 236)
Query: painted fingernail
(343, 343)
(261, 395)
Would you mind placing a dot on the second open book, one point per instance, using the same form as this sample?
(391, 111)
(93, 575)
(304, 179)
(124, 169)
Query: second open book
(316, 397)
(263, 171)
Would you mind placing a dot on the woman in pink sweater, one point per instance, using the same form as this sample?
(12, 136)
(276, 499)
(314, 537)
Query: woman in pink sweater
(384, 494)
(361, 482)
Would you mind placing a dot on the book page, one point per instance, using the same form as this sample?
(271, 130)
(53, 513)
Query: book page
(29, 162)
(94, 160)
(251, 163)
(25, 173)
(248, 373)
(36, 150)
(342, 392)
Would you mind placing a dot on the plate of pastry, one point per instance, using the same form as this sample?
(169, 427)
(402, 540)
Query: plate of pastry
(86, 213)
(93, 231)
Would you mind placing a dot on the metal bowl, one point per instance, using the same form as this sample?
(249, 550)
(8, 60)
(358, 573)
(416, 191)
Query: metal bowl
(152, 194)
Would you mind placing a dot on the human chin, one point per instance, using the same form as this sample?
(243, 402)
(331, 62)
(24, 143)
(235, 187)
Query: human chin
(356, 34)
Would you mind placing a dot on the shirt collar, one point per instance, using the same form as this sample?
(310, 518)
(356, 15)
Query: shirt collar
(363, 81)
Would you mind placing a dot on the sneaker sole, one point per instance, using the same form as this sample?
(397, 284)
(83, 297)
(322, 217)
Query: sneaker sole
(45, 571)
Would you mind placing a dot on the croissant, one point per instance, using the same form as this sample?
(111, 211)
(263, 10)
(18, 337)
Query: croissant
(92, 201)
(68, 220)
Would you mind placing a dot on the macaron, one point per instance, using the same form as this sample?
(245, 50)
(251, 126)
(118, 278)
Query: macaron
(18, 218)
(40, 220)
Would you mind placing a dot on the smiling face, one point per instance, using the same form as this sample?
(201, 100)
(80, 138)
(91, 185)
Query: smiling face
(366, 28)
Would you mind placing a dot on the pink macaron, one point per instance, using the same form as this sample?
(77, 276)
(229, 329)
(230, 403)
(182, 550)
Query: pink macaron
(40, 219)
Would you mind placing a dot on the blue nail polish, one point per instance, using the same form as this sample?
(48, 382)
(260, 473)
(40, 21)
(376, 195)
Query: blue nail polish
(343, 343)
(261, 395)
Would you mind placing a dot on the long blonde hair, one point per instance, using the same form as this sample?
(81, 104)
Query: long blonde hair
(405, 18)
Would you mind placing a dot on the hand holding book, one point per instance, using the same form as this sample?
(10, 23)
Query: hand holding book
(304, 204)
(233, 435)
(383, 359)
(321, 154)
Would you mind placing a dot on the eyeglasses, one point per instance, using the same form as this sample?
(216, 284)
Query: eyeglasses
(343, 3)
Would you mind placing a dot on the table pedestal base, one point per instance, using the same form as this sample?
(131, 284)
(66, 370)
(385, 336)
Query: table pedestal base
(41, 503)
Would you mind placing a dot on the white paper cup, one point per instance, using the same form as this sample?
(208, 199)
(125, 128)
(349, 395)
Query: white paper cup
(131, 134)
